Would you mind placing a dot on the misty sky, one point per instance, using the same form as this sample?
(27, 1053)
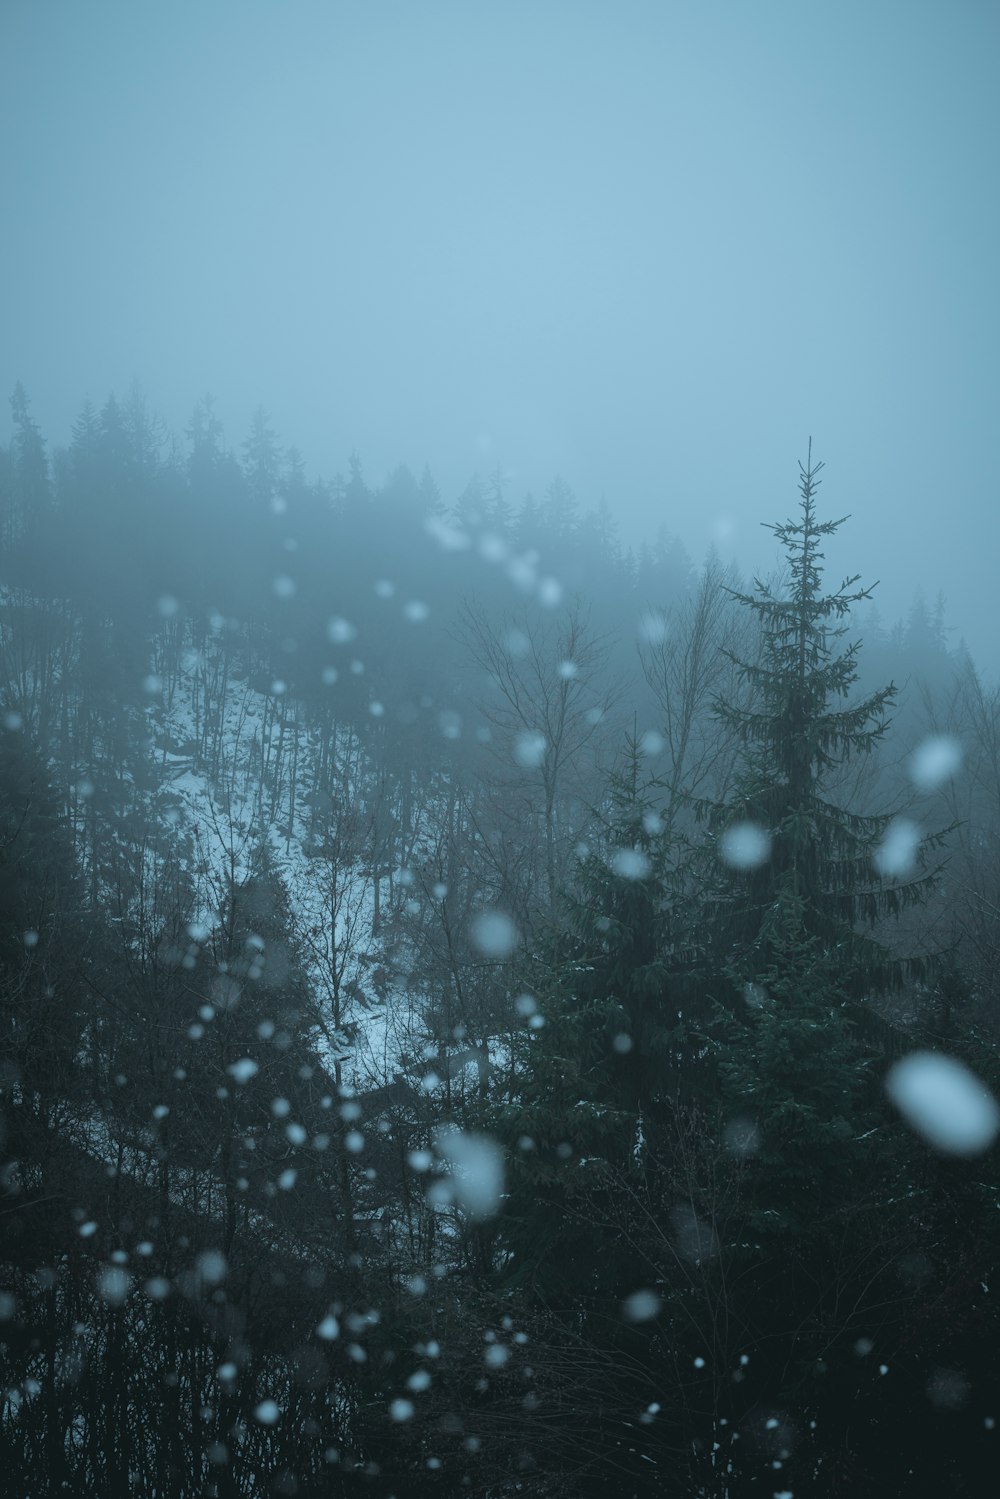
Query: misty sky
(649, 246)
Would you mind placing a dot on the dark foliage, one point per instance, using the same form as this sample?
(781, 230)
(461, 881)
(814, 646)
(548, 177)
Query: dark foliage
(270, 746)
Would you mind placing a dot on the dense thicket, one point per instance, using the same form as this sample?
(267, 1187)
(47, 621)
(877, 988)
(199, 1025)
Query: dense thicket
(335, 819)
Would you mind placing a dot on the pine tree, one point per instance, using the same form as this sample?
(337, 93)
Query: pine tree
(262, 461)
(791, 971)
(559, 518)
(113, 446)
(498, 513)
(528, 531)
(145, 435)
(205, 437)
(618, 1192)
(430, 495)
(28, 522)
(600, 1072)
(704, 1101)
(796, 1052)
(599, 531)
(85, 444)
(796, 1084)
(469, 509)
(794, 853)
(31, 467)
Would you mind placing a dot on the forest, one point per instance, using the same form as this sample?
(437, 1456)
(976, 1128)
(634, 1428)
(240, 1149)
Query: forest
(484, 1009)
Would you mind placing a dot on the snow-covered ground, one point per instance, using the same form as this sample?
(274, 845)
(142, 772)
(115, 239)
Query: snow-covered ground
(262, 791)
(251, 801)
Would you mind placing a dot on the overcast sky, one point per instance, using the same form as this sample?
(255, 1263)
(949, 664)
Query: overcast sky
(648, 246)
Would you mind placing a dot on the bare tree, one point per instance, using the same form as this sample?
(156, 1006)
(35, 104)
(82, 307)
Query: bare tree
(689, 665)
(550, 708)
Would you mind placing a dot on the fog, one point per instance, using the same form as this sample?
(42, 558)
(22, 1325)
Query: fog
(499, 915)
(651, 248)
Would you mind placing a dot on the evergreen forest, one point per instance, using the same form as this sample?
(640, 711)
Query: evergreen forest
(485, 1009)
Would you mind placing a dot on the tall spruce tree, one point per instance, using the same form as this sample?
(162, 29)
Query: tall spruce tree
(797, 964)
(704, 1102)
(791, 967)
(790, 851)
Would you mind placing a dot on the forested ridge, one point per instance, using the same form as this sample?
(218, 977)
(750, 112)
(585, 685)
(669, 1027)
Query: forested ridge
(464, 985)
